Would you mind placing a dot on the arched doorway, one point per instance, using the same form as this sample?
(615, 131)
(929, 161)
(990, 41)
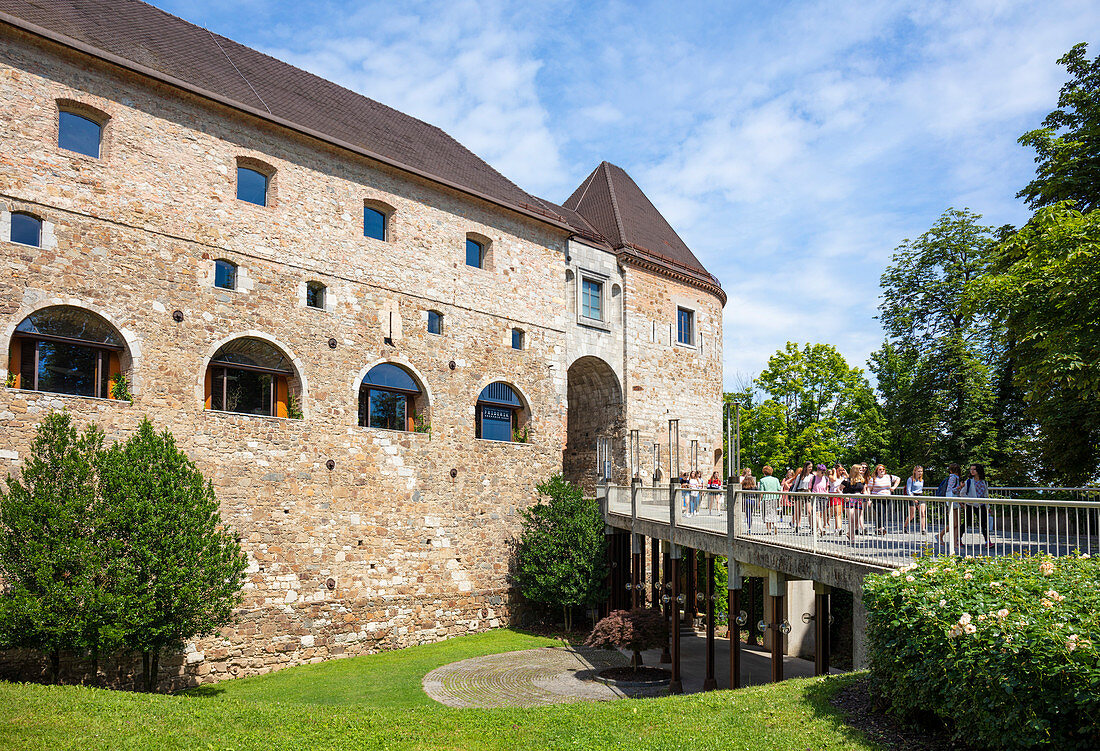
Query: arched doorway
(595, 419)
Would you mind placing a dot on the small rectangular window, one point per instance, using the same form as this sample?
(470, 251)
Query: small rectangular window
(315, 295)
(435, 322)
(78, 133)
(374, 223)
(592, 299)
(474, 254)
(251, 186)
(685, 326)
(26, 229)
(517, 339)
(225, 274)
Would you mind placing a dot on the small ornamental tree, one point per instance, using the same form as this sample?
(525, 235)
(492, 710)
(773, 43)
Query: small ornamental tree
(180, 568)
(51, 560)
(560, 559)
(638, 630)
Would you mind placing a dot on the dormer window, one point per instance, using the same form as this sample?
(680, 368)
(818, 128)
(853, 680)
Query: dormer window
(79, 133)
(26, 229)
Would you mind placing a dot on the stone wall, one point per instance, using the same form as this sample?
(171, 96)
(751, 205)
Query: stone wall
(386, 549)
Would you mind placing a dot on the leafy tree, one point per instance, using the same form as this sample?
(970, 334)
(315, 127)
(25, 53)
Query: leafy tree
(51, 560)
(560, 556)
(1043, 286)
(934, 371)
(180, 567)
(1067, 147)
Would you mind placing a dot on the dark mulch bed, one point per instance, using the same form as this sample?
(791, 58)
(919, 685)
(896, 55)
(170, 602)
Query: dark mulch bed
(642, 674)
(860, 711)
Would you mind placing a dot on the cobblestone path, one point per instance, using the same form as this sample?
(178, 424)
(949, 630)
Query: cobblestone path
(531, 678)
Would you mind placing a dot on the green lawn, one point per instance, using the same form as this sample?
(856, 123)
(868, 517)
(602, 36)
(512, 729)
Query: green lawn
(376, 702)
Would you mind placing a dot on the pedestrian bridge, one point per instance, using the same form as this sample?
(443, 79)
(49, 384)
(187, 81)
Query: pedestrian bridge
(804, 546)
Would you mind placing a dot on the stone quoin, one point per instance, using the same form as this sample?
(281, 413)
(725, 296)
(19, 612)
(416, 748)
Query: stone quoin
(359, 537)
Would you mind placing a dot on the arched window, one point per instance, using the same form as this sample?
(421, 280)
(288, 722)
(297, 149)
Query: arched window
(499, 413)
(26, 229)
(66, 350)
(225, 274)
(250, 377)
(79, 133)
(390, 398)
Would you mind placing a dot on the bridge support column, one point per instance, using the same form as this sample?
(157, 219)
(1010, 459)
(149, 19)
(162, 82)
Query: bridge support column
(859, 632)
(666, 575)
(777, 589)
(709, 684)
(734, 589)
(637, 570)
(821, 629)
(676, 685)
(691, 568)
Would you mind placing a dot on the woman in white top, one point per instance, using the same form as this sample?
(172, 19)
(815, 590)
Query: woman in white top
(951, 491)
(914, 485)
(695, 483)
(881, 484)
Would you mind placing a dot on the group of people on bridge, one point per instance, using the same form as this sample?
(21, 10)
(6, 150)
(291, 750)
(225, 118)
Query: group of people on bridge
(838, 500)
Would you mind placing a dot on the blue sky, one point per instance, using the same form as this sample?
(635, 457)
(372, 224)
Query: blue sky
(792, 145)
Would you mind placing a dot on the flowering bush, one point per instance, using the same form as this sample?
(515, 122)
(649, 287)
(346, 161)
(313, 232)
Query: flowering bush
(1004, 651)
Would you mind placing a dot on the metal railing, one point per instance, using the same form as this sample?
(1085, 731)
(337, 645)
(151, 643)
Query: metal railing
(887, 530)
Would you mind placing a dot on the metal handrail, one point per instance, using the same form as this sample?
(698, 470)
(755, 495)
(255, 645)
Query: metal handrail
(927, 498)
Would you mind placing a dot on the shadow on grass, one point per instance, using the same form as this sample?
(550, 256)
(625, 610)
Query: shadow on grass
(571, 638)
(206, 691)
(819, 694)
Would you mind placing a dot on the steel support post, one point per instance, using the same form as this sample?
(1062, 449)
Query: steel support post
(655, 572)
(676, 685)
(821, 630)
(709, 684)
(735, 637)
(777, 639)
(666, 575)
(690, 609)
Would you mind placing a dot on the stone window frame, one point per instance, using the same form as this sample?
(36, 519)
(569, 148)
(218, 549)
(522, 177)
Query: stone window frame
(525, 418)
(97, 115)
(47, 237)
(268, 170)
(488, 252)
(298, 387)
(326, 292)
(130, 359)
(442, 322)
(585, 274)
(694, 343)
(424, 402)
(244, 279)
(388, 213)
(516, 330)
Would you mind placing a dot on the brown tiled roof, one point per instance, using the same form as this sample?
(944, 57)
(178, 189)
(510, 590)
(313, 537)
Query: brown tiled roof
(613, 203)
(608, 208)
(153, 39)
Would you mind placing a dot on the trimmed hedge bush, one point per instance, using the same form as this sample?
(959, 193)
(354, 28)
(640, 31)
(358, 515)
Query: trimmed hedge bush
(1004, 651)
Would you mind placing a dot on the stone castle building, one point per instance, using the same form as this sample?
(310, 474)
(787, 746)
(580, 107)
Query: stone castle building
(373, 343)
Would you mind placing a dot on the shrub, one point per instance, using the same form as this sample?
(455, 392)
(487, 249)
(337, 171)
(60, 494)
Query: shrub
(560, 557)
(638, 630)
(1004, 651)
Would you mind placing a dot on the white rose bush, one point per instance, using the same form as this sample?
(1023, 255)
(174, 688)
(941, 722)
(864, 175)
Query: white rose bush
(1004, 652)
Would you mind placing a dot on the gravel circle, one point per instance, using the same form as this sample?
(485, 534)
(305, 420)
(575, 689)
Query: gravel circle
(530, 678)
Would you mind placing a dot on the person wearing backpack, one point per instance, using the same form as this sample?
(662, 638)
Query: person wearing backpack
(976, 487)
(949, 488)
